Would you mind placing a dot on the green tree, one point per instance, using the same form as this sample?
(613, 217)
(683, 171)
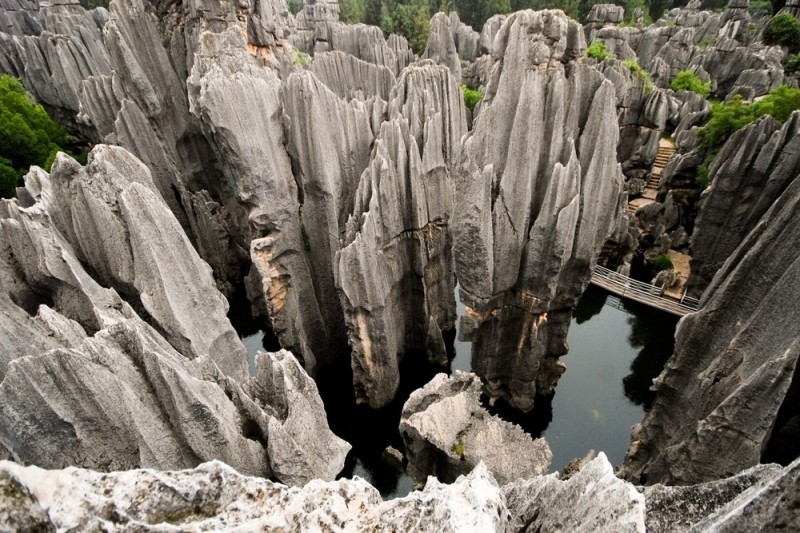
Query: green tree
(352, 11)
(729, 117)
(411, 20)
(471, 97)
(598, 51)
(475, 13)
(783, 30)
(28, 136)
(686, 80)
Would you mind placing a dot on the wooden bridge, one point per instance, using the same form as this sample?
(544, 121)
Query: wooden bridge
(644, 293)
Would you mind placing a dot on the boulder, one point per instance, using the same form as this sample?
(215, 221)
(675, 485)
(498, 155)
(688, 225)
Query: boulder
(547, 503)
(446, 432)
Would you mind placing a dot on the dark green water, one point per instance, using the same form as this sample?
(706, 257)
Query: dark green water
(616, 349)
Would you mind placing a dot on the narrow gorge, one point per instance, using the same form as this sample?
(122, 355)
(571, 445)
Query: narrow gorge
(285, 253)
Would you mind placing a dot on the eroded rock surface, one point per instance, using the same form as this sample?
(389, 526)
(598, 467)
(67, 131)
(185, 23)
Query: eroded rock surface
(748, 175)
(117, 359)
(213, 496)
(719, 403)
(395, 273)
(447, 432)
(541, 193)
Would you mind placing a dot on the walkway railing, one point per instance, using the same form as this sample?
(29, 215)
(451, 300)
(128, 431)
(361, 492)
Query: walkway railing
(645, 293)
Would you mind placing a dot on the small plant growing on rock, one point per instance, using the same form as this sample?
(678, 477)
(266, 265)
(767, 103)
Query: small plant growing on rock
(598, 51)
(636, 68)
(783, 30)
(791, 64)
(471, 97)
(458, 449)
(662, 262)
(301, 59)
(686, 80)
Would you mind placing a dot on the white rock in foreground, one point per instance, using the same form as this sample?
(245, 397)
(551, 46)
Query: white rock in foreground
(213, 497)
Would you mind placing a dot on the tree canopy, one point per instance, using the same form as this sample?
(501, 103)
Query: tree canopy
(28, 136)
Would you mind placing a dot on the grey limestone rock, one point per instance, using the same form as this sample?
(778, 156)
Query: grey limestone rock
(441, 46)
(541, 189)
(489, 32)
(446, 432)
(404, 56)
(548, 503)
(348, 76)
(327, 170)
(19, 509)
(466, 39)
(712, 391)
(117, 224)
(394, 272)
(315, 11)
(769, 505)
(125, 399)
(213, 496)
(605, 13)
(239, 105)
(676, 509)
(749, 173)
(359, 40)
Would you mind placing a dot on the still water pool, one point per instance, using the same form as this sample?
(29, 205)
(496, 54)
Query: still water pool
(616, 349)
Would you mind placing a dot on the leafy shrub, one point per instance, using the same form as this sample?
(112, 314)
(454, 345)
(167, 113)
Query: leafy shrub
(598, 51)
(662, 262)
(28, 136)
(471, 97)
(633, 66)
(686, 80)
(791, 63)
(705, 43)
(301, 59)
(729, 117)
(783, 30)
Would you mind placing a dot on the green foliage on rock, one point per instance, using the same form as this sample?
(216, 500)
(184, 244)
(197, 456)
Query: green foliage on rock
(791, 63)
(28, 136)
(662, 262)
(686, 80)
(471, 97)
(598, 51)
(301, 59)
(633, 66)
(729, 117)
(783, 30)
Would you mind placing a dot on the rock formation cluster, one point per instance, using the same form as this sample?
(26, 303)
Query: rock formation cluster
(118, 352)
(339, 181)
(213, 496)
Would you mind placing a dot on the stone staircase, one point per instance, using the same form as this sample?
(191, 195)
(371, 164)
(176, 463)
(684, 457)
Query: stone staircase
(665, 152)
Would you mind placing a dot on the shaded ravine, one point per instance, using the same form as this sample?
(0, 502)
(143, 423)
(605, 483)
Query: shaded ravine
(616, 349)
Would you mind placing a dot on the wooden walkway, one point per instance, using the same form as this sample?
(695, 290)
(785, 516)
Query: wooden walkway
(644, 293)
